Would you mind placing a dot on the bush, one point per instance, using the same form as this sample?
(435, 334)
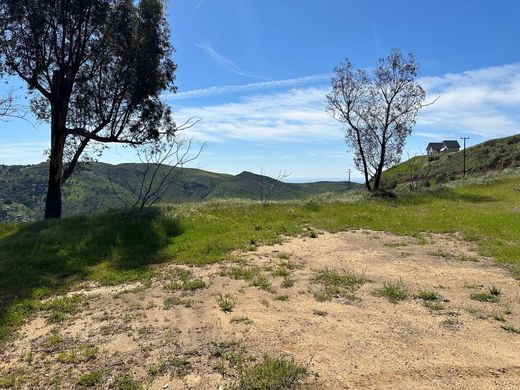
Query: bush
(277, 373)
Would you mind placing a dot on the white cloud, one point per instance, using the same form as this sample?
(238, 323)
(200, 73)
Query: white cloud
(22, 152)
(297, 115)
(483, 102)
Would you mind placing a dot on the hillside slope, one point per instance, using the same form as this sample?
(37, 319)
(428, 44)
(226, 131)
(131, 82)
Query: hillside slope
(493, 155)
(100, 186)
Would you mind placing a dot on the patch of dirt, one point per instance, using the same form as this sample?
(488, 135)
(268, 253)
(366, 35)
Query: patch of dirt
(162, 336)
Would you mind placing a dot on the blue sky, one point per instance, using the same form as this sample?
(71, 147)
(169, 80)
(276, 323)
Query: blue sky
(256, 73)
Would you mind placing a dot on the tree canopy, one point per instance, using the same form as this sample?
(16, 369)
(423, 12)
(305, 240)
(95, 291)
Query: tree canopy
(96, 69)
(378, 110)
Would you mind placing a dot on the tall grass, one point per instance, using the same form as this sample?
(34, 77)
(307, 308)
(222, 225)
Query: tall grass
(42, 258)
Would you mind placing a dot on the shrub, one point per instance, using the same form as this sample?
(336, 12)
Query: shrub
(278, 373)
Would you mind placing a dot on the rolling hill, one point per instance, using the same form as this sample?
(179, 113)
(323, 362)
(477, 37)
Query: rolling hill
(100, 186)
(425, 171)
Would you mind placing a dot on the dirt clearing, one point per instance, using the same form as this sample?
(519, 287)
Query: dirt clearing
(359, 309)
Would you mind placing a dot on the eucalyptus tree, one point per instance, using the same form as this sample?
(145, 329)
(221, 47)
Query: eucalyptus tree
(378, 109)
(95, 69)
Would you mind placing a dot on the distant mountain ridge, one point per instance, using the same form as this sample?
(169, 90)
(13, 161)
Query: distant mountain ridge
(23, 188)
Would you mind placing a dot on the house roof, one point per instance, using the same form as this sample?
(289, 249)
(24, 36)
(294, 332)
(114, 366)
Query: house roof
(451, 144)
(434, 145)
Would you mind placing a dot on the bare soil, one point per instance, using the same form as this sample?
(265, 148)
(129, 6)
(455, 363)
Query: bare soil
(361, 341)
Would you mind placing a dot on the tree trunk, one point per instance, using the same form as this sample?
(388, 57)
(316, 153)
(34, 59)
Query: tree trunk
(364, 160)
(53, 200)
(381, 165)
(377, 180)
(367, 181)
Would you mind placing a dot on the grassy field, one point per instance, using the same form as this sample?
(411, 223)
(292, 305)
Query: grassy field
(41, 259)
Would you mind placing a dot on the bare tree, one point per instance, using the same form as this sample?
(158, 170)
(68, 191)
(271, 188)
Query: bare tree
(7, 106)
(163, 162)
(378, 110)
(265, 193)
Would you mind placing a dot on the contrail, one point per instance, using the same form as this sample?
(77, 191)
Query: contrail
(198, 6)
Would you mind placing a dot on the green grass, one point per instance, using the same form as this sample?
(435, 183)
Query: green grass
(393, 291)
(176, 366)
(492, 296)
(494, 290)
(273, 373)
(125, 382)
(12, 380)
(183, 280)
(254, 275)
(430, 295)
(287, 282)
(38, 260)
(90, 379)
(336, 284)
(62, 307)
(176, 301)
(395, 244)
(484, 297)
(226, 303)
(79, 355)
(511, 328)
(52, 342)
(492, 156)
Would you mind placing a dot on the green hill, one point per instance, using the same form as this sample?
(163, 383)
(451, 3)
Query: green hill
(426, 171)
(102, 186)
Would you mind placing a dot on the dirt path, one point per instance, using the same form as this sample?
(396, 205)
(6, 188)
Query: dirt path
(177, 335)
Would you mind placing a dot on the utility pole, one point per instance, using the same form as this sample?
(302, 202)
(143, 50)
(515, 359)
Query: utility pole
(349, 178)
(464, 154)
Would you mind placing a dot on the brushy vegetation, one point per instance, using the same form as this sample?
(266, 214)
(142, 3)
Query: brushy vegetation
(90, 379)
(38, 260)
(427, 171)
(336, 284)
(430, 295)
(254, 275)
(393, 291)
(226, 303)
(74, 356)
(492, 296)
(13, 380)
(60, 308)
(273, 373)
(183, 280)
(176, 301)
(176, 366)
(126, 382)
(511, 329)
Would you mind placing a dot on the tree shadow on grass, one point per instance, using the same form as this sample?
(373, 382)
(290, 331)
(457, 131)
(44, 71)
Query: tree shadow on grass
(45, 257)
